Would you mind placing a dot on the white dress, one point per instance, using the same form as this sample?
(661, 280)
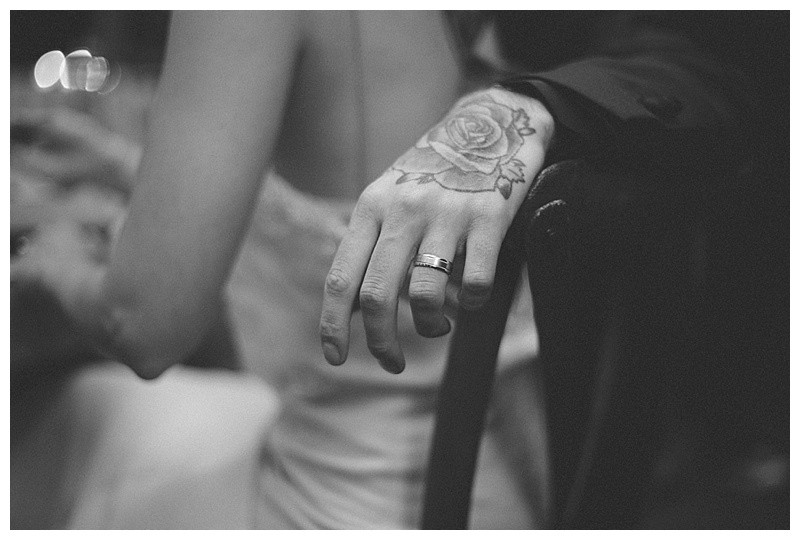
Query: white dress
(348, 449)
(350, 446)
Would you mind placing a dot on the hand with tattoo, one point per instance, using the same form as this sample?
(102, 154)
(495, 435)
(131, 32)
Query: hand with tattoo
(473, 150)
(453, 195)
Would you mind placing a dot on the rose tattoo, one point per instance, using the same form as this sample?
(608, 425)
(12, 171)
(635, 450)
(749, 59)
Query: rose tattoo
(471, 150)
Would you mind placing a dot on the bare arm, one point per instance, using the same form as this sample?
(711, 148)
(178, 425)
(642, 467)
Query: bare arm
(212, 126)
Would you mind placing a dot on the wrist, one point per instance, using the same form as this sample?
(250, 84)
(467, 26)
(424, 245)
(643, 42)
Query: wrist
(540, 117)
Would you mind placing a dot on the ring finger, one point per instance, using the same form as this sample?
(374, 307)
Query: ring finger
(426, 290)
(379, 295)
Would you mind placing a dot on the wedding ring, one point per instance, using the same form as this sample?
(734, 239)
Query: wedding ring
(432, 261)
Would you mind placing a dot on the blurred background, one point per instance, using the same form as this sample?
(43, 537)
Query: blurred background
(74, 154)
(726, 465)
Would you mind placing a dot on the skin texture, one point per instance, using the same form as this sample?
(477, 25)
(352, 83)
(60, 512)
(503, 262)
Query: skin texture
(473, 150)
(239, 92)
(224, 86)
(197, 182)
(452, 195)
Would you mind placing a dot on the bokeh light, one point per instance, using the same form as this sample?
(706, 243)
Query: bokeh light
(113, 74)
(73, 74)
(48, 69)
(78, 71)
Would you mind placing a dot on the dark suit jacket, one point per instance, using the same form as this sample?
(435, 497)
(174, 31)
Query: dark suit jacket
(629, 84)
(709, 89)
(704, 97)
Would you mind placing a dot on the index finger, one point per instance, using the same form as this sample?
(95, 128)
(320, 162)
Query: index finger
(342, 286)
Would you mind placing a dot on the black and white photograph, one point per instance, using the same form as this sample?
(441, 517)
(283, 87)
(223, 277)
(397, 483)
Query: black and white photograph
(349, 269)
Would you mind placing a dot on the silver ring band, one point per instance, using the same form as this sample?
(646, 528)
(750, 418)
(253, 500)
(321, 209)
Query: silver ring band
(432, 261)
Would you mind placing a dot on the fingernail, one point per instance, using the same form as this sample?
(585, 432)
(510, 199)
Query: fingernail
(441, 330)
(331, 354)
(392, 366)
(445, 328)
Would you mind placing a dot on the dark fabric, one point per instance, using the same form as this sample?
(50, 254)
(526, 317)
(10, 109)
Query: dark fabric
(694, 107)
(610, 266)
(632, 84)
(709, 89)
(659, 266)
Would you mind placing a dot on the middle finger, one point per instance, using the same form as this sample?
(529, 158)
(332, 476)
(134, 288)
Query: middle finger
(379, 295)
